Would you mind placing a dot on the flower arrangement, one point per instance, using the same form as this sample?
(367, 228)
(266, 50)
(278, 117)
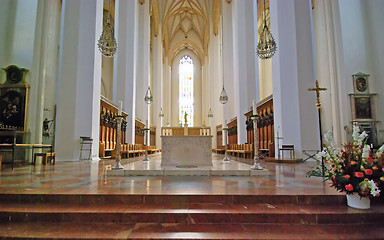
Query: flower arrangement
(354, 168)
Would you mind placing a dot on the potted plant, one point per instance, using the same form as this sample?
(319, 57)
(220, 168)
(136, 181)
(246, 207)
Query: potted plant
(354, 168)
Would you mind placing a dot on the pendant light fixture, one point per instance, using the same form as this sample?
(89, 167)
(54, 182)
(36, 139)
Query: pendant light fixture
(223, 95)
(107, 42)
(266, 46)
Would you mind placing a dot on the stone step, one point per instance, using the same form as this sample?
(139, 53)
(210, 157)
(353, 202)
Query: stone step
(317, 199)
(202, 213)
(39, 230)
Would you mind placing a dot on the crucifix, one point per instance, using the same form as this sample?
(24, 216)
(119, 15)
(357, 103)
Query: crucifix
(318, 105)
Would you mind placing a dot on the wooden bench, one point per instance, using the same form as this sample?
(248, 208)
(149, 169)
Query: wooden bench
(50, 155)
(219, 150)
(240, 150)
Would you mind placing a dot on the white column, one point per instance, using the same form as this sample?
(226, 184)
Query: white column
(44, 69)
(157, 83)
(330, 66)
(256, 93)
(292, 72)
(244, 63)
(125, 61)
(228, 61)
(142, 68)
(78, 109)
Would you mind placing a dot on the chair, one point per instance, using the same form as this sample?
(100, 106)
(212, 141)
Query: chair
(45, 156)
(290, 148)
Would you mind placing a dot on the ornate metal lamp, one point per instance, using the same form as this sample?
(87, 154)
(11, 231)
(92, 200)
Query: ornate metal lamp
(210, 114)
(161, 114)
(148, 99)
(266, 46)
(107, 42)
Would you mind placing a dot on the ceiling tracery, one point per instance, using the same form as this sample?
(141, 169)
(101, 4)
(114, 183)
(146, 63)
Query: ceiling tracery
(186, 24)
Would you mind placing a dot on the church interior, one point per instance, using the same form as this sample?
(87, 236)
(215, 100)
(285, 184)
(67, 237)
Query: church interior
(188, 119)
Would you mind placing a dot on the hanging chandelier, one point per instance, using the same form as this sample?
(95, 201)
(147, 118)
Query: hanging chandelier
(107, 42)
(223, 95)
(266, 46)
(148, 99)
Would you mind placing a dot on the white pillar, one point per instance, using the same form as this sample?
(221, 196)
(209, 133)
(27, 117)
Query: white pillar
(330, 67)
(79, 78)
(142, 68)
(228, 61)
(244, 63)
(157, 83)
(292, 72)
(43, 68)
(125, 61)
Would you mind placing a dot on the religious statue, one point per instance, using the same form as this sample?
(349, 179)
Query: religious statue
(185, 118)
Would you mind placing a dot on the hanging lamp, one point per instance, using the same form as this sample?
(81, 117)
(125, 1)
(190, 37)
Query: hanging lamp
(223, 95)
(148, 99)
(266, 46)
(107, 42)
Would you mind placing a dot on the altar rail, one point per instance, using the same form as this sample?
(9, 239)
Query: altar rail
(179, 131)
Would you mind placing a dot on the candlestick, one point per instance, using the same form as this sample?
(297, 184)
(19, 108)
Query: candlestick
(120, 107)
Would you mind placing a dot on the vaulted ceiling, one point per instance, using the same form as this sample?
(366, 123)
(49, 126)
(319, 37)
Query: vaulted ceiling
(186, 24)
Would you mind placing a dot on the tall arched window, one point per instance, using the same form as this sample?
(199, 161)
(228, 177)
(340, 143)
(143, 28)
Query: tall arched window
(186, 101)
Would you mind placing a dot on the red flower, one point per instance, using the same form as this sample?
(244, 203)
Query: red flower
(346, 176)
(369, 159)
(349, 187)
(359, 174)
(368, 171)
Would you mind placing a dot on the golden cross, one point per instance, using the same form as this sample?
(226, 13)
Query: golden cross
(317, 89)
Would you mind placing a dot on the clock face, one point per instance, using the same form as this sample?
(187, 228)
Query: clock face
(361, 84)
(14, 75)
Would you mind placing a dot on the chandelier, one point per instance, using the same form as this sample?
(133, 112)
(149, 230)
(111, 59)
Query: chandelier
(223, 96)
(148, 99)
(107, 42)
(266, 46)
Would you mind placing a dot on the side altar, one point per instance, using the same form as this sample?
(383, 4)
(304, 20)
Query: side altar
(187, 150)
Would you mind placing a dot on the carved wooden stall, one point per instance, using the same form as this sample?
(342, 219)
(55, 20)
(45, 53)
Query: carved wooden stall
(139, 132)
(108, 127)
(265, 127)
(232, 131)
(219, 134)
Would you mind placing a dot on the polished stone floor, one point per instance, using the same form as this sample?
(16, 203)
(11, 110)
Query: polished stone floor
(91, 177)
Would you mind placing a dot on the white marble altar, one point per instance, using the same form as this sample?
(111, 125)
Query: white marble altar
(186, 151)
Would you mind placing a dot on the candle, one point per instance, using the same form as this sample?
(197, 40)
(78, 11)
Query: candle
(225, 124)
(120, 107)
(146, 123)
(254, 107)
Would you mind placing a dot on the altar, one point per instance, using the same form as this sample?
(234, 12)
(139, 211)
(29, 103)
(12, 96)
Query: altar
(186, 151)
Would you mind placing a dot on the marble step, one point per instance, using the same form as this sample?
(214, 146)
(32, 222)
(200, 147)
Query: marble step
(38, 230)
(173, 198)
(202, 213)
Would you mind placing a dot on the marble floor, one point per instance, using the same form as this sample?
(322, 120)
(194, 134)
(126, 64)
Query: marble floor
(91, 177)
(218, 168)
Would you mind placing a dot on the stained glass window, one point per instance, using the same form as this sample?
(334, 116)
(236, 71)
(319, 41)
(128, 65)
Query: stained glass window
(186, 101)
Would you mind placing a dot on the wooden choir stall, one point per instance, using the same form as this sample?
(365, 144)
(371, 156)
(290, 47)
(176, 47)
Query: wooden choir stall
(265, 127)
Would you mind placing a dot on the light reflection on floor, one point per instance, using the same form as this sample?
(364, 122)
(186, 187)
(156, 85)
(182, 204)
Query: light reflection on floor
(90, 177)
